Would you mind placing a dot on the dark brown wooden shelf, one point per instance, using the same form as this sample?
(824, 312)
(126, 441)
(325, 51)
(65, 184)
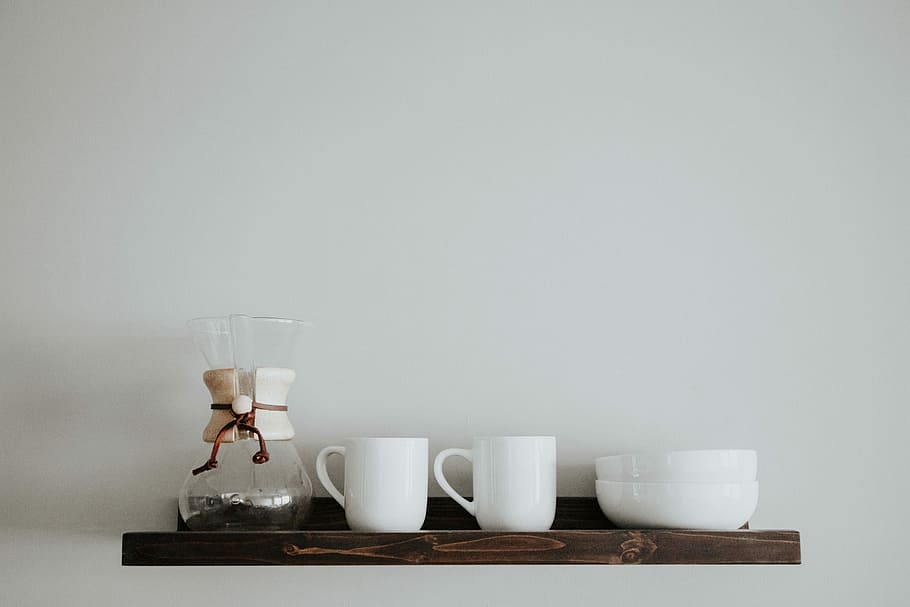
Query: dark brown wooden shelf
(580, 535)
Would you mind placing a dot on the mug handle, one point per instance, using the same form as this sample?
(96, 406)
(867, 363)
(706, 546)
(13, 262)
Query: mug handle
(441, 479)
(324, 475)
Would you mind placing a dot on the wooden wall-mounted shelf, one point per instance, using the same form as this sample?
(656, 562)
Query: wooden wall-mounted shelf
(580, 535)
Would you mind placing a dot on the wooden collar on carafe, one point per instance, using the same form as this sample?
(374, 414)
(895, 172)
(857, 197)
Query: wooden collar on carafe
(263, 406)
(243, 421)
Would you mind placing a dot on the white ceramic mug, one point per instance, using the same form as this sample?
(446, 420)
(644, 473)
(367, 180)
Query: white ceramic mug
(385, 482)
(514, 482)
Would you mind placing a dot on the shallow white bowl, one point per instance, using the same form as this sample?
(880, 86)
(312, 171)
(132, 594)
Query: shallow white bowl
(705, 466)
(678, 505)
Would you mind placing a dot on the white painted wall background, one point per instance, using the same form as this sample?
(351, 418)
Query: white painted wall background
(635, 225)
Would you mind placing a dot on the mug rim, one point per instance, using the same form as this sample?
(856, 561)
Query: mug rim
(386, 438)
(513, 437)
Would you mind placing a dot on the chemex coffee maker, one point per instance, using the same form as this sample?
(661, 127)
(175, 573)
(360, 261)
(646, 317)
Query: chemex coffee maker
(250, 476)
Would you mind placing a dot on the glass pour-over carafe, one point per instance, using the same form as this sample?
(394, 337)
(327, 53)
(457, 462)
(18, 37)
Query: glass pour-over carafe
(251, 476)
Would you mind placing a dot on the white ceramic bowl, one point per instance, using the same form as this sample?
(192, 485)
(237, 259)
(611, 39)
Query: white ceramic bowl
(706, 466)
(678, 505)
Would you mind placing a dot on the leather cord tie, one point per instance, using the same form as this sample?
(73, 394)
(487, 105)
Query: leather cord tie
(246, 422)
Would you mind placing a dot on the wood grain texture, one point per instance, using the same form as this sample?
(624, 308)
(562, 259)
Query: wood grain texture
(580, 535)
(604, 547)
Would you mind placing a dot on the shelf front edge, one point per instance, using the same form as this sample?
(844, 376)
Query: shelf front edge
(594, 547)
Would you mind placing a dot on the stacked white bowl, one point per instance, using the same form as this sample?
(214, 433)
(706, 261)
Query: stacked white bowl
(707, 489)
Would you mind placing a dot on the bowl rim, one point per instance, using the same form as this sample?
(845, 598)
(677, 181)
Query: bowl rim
(662, 454)
(676, 483)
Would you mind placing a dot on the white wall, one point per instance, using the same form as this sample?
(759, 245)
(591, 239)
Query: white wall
(633, 225)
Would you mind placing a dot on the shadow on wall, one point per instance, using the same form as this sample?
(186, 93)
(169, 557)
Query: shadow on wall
(88, 445)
